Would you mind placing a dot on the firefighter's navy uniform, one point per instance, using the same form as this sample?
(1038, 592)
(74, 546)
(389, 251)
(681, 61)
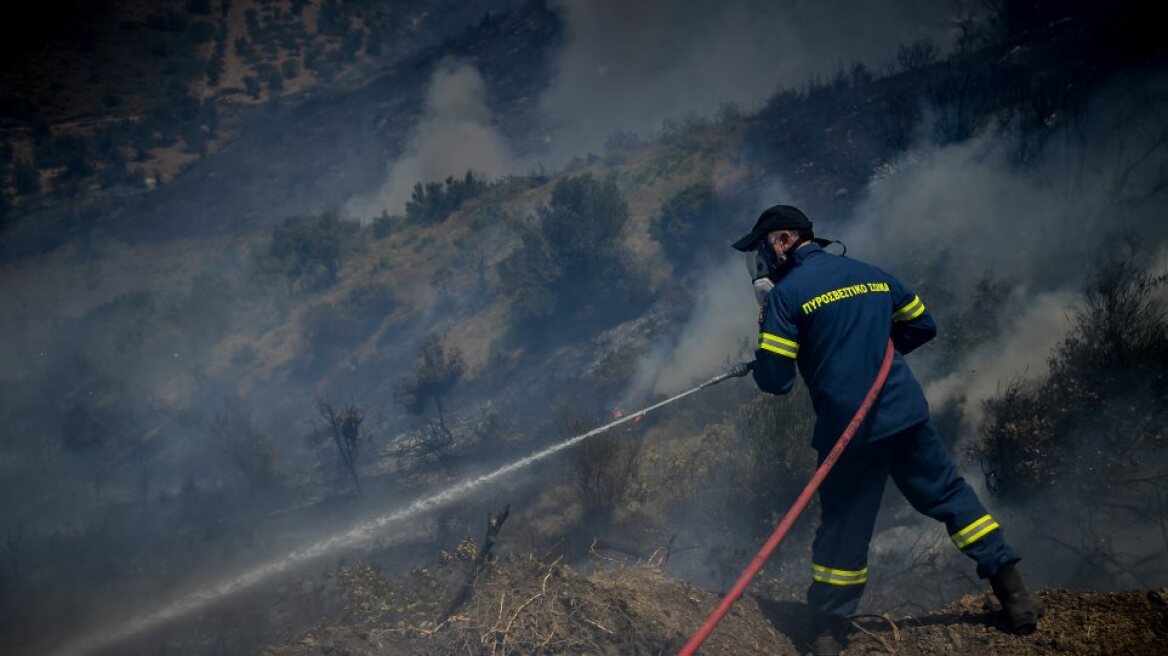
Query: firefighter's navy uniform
(831, 316)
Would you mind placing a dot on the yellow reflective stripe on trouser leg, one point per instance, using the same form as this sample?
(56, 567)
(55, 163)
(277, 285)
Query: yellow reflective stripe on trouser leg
(975, 531)
(780, 345)
(912, 310)
(839, 576)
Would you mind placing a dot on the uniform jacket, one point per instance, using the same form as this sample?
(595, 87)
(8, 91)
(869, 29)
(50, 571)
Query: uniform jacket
(831, 316)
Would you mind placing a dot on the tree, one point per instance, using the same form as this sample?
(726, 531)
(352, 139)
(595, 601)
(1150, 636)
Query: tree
(918, 54)
(569, 255)
(330, 20)
(603, 466)
(217, 63)
(344, 427)
(251, 84)
(309, 250)
(684, 224)
(436, 371)
(275, 80)
(432, 202)
(290, 69)
(252, 453)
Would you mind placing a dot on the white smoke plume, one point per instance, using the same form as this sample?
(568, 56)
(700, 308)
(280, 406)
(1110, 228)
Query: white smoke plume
(628, 66)
(1032, 327)
(945, 218)
(723, 323)
(454, 135)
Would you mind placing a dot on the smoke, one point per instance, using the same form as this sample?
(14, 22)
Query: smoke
(943, 218)
(1031, 329)
(628, 66)
(454, 135)
(723, 320)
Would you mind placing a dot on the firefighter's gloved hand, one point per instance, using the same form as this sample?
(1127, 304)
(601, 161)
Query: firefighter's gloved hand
(741, 369)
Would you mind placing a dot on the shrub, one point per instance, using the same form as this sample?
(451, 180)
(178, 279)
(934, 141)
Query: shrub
(570, 269)
(918, 54)
(436, 371)
(309, 250)
(684, 223)
(383, 225)
(603, 466)
(72, 153)
(252, 84)
(432, 202)
(253, 454)
(290, 69)
(776, 431)
(1096, 407)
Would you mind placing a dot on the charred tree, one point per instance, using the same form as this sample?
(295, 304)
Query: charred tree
(433, 376)
(344, 427)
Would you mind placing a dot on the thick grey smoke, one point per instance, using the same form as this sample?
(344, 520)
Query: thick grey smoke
(628, 66)
(1031, 327)
(962, 213)
(720, 329)
(455, 135)
(944, 218)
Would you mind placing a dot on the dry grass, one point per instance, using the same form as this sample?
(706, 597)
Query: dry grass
(529, 606)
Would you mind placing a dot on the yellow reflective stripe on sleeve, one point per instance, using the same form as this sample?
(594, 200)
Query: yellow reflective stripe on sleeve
(777, 349)
(780, 345)
(975, 531)
(839, 576)
(910, 311)
(782, 340)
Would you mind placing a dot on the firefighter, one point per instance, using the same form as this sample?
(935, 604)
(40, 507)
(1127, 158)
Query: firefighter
(831, 317)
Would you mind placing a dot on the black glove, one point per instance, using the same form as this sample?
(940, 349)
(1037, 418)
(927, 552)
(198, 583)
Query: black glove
(741, 369)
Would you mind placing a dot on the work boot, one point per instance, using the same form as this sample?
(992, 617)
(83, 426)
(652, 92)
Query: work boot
(1020, 607)
(831, 635)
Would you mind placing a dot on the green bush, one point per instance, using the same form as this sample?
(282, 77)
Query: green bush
(569, 266)
(1099, 408)
(383, 225)
(252, 84)
(290, 69)
(433, 202)
(685, 223)
(309, 250)
(776, 431)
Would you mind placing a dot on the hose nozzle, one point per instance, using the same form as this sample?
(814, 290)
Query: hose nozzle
(741, 369)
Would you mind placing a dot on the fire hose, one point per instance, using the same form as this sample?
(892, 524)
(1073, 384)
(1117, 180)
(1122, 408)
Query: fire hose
(788, 520)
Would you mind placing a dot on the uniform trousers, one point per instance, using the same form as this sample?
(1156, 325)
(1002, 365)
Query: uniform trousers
(922, 469)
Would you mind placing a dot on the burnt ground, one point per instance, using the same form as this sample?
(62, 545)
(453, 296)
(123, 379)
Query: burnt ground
(526, 606)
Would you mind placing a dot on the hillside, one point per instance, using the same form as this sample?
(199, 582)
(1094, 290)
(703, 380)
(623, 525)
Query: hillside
(523, 606)
(202, 375)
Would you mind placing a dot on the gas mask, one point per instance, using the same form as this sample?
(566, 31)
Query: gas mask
(764, 266)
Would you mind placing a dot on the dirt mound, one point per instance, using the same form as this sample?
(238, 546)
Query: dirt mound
(1134, 622)
(524, 606)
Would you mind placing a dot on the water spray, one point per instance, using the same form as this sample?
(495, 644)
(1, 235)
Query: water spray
(362, 533)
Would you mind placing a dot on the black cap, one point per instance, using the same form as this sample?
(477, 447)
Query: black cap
(779, 217)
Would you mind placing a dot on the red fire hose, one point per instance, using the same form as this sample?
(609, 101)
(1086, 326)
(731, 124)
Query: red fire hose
(773, 541)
